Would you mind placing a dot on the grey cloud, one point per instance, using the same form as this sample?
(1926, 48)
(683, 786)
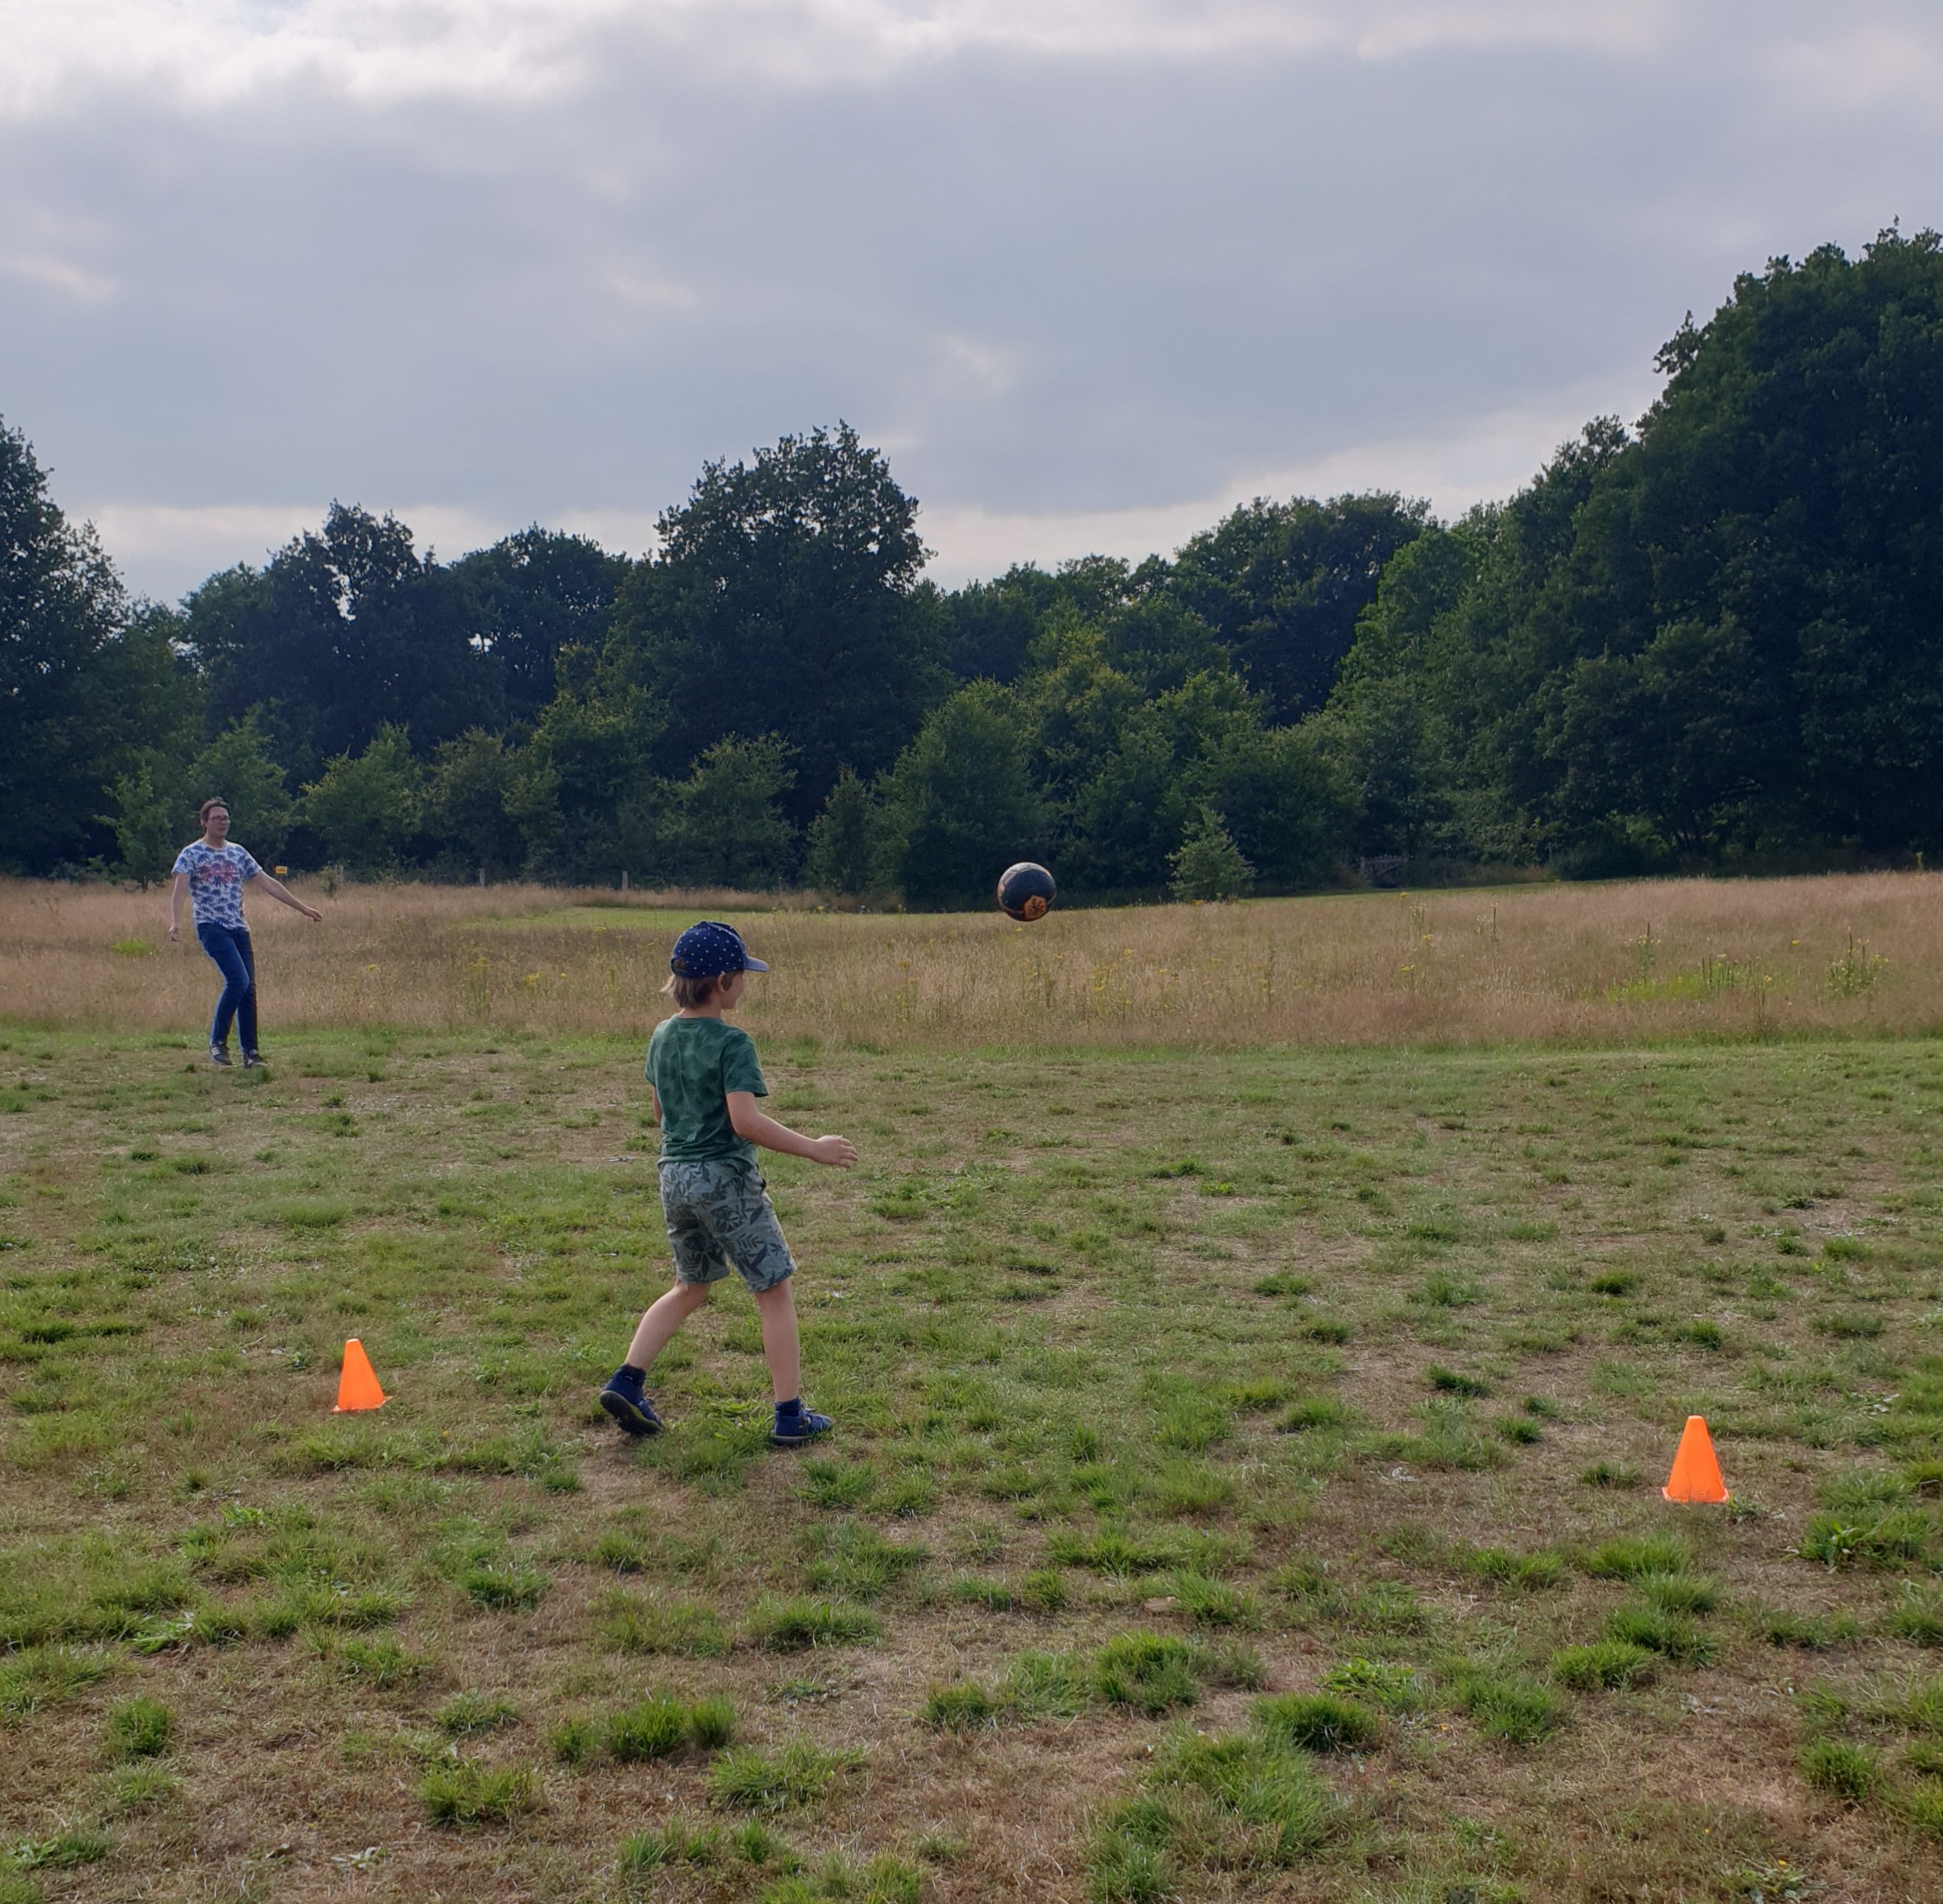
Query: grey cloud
(1051, 282)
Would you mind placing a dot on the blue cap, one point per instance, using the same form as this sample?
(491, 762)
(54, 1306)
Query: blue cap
(709, 950)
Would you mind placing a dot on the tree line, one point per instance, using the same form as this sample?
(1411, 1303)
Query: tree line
(1710, 641)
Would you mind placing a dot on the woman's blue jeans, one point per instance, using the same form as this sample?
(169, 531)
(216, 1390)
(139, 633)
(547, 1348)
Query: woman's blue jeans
(229, 947)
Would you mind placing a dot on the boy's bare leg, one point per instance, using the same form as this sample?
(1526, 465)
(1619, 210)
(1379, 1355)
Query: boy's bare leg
(665, 1315)
(776, 1307)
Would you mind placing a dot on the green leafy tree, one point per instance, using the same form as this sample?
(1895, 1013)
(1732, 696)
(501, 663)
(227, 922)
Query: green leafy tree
(535, 594)
(959, 805)
(1207, 864)
(1128, 817)
(141, 817)
(237, 768)
(344, 632)
(786, 600)
(724, 824)
(89, 687)
(1284, 802)
(1282, 585)
(846, 849)
(366, 808)
(585, 797)
(468, 805)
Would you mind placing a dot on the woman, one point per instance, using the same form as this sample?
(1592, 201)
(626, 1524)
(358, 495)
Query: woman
(213, 873)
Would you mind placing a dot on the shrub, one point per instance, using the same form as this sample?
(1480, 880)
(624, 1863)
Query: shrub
(467, 1793)
(1607, 1663)
(140, 1728)
(1317, 1722)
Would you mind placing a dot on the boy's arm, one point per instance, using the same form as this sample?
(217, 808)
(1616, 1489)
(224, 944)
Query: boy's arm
(755, 1126)
(178, 885)
(654, 1098)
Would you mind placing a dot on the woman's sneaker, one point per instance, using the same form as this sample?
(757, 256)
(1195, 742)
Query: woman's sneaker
(218, 1054)
(254, 1061)
(626, 1400)
(792, 1431)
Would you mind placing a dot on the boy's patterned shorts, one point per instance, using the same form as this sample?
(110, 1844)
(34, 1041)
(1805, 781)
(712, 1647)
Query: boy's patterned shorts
(718, 1213)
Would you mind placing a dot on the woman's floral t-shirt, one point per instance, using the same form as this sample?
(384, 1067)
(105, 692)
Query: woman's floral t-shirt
(216, 876)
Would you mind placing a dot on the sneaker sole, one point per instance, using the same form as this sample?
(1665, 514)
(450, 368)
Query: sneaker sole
(629, 1418)
(777, 1441)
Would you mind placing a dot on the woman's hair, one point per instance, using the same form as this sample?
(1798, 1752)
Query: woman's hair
(202, 812)
(689, 993)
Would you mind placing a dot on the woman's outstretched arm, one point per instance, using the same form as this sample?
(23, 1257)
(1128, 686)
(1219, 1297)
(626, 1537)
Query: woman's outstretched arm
(278, 890)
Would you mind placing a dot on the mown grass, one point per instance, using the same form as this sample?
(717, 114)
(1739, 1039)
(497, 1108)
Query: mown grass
(1247, 1465)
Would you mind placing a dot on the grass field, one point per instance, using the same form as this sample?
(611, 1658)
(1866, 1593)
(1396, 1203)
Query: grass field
(1247, 1483)
(1603, 965)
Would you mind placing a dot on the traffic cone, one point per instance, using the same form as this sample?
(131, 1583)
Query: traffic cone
(357, 1387)
(1696, 1477)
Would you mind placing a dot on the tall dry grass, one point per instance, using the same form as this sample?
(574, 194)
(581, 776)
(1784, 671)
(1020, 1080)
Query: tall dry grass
(1607, 964)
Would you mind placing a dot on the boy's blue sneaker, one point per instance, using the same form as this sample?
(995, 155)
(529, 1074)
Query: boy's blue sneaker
(626, 1400)
(800, 1426)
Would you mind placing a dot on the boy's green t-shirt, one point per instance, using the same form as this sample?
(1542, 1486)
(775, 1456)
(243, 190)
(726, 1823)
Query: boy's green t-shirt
(693, 1064)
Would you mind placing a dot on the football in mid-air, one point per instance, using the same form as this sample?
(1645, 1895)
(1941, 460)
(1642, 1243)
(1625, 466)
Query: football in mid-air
(1025, 890)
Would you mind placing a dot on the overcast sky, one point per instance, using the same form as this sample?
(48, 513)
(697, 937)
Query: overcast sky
(1089, 271)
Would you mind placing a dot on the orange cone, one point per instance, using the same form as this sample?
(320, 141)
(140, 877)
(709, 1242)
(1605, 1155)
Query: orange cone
(1697, 1478)
(357, 1387)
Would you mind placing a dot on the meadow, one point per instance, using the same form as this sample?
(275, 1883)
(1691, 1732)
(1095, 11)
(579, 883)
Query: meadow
(1247, 1478)
(1609, 964)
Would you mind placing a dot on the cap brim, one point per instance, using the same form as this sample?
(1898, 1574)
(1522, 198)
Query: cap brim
(749, 965)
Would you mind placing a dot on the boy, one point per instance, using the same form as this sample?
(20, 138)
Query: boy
(706, 1079)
